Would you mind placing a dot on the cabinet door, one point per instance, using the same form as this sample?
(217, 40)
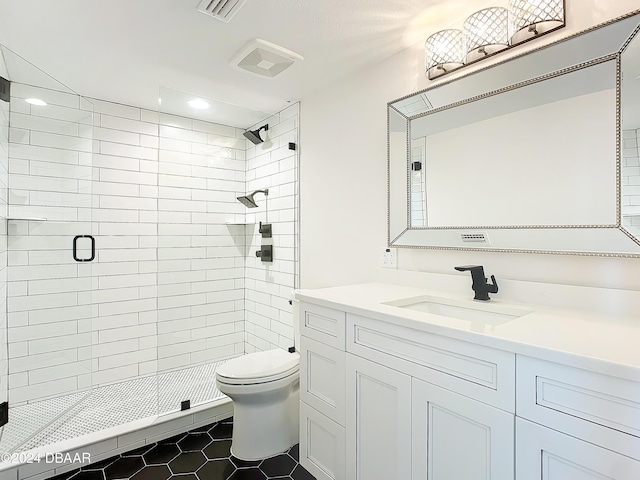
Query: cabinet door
(378, 421)
(456, 437)
(322, 448)
(545, 454)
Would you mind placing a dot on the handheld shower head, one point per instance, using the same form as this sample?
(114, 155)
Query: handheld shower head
(248, 200)
(254, 135)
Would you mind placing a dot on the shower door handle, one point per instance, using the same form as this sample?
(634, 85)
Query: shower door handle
(75, 248)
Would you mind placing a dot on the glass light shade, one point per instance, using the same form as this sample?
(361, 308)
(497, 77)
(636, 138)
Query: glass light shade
(529, 18)
(486, 32)
(444, 51)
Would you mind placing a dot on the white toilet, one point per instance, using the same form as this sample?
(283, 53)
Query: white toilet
(265, 389)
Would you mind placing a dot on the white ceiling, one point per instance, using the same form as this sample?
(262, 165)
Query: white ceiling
(126, 50)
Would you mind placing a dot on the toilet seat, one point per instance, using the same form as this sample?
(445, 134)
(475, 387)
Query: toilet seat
(258, 367)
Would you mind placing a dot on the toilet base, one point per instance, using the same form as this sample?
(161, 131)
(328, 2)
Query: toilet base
(267, 429)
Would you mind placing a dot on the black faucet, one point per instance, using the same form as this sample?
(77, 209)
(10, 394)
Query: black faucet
(480, 285)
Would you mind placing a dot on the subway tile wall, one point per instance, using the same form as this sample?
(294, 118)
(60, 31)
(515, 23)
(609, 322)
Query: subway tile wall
(174, 265)
(200, 260)
(630, 188)
(273, 165)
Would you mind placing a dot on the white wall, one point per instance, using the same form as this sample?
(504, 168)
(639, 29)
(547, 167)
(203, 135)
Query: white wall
(343, 204)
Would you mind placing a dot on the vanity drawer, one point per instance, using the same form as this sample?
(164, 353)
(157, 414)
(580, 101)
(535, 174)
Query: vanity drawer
(598, 408)
(482, 373)
(323, 324)
(322, 378)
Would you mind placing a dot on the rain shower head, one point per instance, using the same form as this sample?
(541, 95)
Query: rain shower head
(248, 200)
(254, 135)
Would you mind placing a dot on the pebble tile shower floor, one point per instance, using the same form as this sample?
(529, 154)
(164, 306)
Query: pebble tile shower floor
(202, 454)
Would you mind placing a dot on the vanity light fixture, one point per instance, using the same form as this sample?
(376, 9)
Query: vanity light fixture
(36, 101)
(530, 18)
(486, 32)
(444, 52)
(489, 31)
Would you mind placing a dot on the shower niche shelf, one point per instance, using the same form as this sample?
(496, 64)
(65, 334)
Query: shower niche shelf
(25, 219)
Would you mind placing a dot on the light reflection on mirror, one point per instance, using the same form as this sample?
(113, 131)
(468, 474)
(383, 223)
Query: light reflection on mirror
(529, 156)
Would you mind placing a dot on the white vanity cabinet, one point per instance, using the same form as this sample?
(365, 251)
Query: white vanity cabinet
(587, 424)
(392, 399)
(385, 401)
(322, 391)
(412, 411)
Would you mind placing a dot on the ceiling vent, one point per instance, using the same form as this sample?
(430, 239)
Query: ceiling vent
(221, 9)
(264, 58)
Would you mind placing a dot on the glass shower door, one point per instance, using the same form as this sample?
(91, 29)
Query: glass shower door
(49, 251)
(4, 198)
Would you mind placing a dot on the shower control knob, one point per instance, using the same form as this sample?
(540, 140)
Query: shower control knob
(266, 254)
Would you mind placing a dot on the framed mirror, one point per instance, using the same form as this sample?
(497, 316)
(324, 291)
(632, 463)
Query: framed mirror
(538, 153)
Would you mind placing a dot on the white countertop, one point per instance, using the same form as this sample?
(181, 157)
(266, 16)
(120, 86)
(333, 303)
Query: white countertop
(608, 345)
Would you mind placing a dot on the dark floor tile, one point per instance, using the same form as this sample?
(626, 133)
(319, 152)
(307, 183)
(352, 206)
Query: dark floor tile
(155, 472)
(300, 473)
(194, 441)
(161, 454)
(245, 463)
(123, 468)
(279, 466)
(187, 462)
(221, 431)
(216, 470)
(248, 474)
(295, 452)
(188, 476)
(218, 449)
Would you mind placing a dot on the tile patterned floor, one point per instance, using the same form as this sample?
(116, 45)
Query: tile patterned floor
(202, 454)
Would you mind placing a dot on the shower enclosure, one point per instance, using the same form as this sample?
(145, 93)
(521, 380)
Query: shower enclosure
(128, 270)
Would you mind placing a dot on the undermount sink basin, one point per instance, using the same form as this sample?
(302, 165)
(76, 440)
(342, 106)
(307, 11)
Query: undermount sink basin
(459, 309)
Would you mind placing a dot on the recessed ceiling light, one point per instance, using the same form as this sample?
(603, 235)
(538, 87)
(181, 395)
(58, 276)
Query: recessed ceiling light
(198, 104)
(35, 101)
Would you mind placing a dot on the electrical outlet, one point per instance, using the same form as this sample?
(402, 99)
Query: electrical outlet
(388, 258)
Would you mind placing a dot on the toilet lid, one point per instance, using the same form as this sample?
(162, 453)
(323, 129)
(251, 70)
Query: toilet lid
(259, 367)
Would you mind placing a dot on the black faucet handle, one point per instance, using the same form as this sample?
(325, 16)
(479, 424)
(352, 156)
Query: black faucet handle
(493, 286)
(466, 268)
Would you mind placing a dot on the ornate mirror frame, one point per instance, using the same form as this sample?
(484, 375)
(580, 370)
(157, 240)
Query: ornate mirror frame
(596, 48)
